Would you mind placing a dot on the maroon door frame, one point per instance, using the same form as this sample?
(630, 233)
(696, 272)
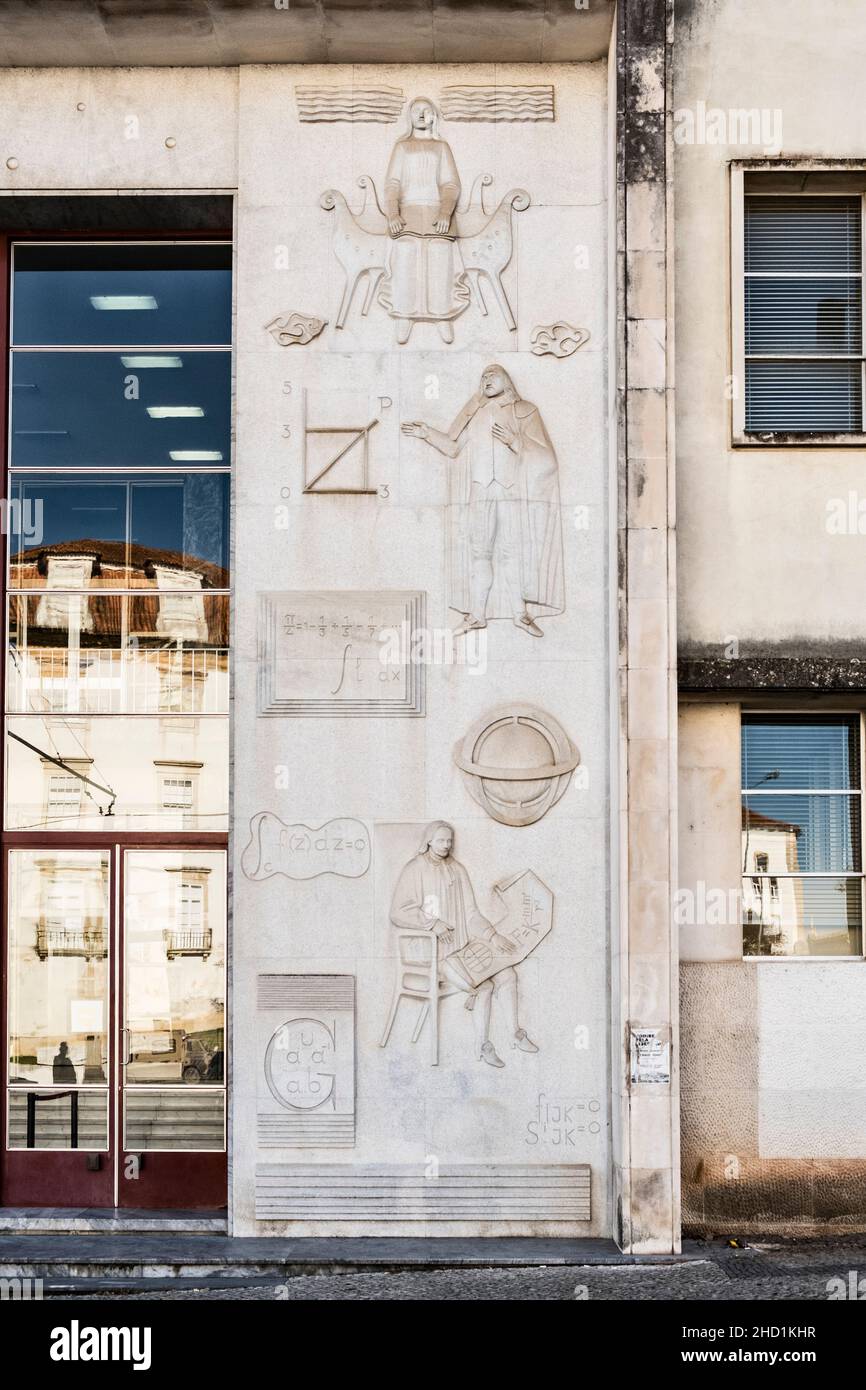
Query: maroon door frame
(60, 1178)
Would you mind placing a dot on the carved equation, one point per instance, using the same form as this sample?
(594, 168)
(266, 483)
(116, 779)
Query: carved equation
(308, 1097)
(340, 846)
(330, 653)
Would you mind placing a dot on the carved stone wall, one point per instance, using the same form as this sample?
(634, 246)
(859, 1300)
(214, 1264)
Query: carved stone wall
(422, 614)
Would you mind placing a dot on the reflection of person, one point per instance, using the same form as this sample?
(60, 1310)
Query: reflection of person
(425, 278)
(433, 893)
(215, 1066)
(506, 541)
(63, 1068)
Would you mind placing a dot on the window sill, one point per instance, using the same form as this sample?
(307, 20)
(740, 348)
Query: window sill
(793, 439)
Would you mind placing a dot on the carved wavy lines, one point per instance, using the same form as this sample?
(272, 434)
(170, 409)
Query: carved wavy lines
(498, 103)
(380, 104)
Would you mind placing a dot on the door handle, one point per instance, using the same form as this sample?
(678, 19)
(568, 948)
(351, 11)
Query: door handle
(124, 1061)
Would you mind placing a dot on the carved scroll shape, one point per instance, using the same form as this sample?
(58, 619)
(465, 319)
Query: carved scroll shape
(295, 328)
(558, 340)
(339, 847)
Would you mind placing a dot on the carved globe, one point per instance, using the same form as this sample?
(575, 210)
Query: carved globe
(517, 763)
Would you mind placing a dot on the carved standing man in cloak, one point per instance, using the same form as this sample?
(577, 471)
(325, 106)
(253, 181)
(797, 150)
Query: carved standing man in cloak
(504, 513)
(425, 278)
(434, 894)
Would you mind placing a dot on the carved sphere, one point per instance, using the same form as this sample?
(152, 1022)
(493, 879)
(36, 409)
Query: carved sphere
(517, 763)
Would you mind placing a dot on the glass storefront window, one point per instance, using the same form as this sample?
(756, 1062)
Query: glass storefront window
(108, 532)
(802, 887)
(133, 768)
(122, 292)
(91, 409)
(159, 653)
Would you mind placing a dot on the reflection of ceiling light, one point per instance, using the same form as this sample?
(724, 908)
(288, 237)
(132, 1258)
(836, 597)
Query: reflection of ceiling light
(151, 361)
(195, 455)
(172, 412)
(123, 301)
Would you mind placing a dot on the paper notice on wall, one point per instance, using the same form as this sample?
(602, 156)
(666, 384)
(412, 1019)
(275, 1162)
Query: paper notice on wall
(650, 1056)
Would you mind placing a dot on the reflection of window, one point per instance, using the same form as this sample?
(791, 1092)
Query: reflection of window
(64, 794)
(177, 793)
(190, 906)
(191, 933)
(801, 835)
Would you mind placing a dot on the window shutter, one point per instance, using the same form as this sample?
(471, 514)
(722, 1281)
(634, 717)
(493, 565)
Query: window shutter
(803, 314)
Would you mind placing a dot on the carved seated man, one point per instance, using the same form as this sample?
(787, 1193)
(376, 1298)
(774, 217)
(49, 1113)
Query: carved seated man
(434, 893)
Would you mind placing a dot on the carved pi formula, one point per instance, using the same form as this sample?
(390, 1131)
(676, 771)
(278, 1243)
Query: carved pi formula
(323, 653)
(445, 945)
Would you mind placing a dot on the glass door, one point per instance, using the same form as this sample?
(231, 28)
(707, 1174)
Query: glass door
(59, 1038)
(115, 1008)
(172, 1073)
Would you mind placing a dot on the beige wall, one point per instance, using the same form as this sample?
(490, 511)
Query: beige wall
(755, 561)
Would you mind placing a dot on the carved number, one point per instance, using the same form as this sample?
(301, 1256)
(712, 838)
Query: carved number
(384, 490)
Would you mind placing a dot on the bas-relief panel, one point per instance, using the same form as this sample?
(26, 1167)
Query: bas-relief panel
(427, 246)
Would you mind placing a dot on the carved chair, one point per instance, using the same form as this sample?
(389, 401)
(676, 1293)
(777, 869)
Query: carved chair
(418, 978)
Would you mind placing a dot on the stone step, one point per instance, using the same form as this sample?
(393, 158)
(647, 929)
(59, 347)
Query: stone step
(109, 1221)
(62, 1261)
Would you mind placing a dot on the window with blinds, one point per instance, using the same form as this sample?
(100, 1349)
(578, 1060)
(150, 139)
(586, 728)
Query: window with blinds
(802, 884)
(803, 314)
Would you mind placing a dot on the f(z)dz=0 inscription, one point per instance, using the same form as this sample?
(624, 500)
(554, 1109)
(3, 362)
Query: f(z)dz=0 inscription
(340, 846)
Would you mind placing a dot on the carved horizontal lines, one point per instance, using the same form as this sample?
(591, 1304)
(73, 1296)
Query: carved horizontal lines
(306, 991)
(402, 1192)
(498, 103)
(379, 104)
(306, 1131)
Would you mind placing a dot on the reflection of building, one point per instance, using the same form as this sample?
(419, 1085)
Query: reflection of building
(158, 649)
(772, 899)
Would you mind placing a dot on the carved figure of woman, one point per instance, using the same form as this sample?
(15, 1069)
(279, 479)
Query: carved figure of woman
(425, 280)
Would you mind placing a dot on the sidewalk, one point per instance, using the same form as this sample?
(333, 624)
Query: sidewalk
(167, 1266)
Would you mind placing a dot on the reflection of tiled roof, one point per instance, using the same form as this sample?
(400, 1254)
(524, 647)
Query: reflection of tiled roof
(116, 555)
(753, 820)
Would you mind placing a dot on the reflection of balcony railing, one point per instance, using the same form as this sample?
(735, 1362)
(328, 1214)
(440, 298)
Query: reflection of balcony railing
(33, 1098)
(92, 681)
(91, 942)
(190, 942)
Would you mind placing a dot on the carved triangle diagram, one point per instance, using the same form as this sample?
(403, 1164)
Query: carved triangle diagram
(337, 456)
